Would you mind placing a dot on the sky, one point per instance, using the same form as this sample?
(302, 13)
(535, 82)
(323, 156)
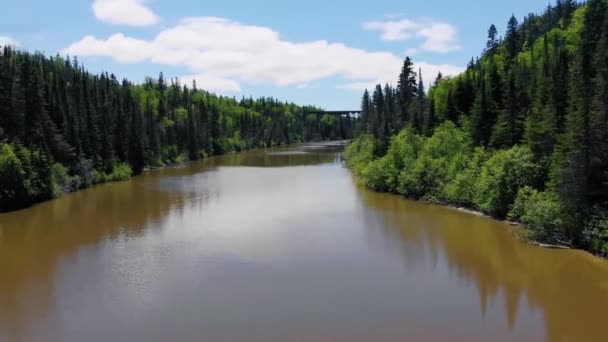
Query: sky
(316, 52)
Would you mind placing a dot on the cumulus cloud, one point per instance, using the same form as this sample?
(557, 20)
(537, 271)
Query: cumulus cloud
(6, 40)
(394, 30)
(124, 12)
(220, 53)
(429, 73)
(411, 51)
(438, 37)
(211, 82)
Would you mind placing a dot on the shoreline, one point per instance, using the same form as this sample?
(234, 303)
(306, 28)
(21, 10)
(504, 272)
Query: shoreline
(170, 165)
(525, 239)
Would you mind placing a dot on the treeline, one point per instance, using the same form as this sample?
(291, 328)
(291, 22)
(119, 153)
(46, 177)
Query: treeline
(521, 134)
(63, 129)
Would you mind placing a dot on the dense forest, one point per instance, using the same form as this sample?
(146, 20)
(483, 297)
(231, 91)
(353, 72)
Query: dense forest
(63, 128)
(521, 134)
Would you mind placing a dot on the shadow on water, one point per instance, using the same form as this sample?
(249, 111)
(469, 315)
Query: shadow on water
(535, 293)
(569, 288)
(34, 242)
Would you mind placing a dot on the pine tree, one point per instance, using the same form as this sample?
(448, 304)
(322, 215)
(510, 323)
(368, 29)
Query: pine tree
(512, 39)
(571, 170)
(598, 182)
(407, 88)
(451, 112)
(481, 121)
(364, 122)
(420, 105)
(492, 43)
(378, 122)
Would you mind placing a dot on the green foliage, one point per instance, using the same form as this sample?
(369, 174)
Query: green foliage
(25, 177)
(53, 112)
(360, 152)
(62, 181)
(121, 172)
(12, 179)
(376, 174)
(595, 233)
(505, 172)
(444, 167)
(527, 133)
(542, 212)
(402, 153)
(461, 189)
(442, 157)
(85, 173)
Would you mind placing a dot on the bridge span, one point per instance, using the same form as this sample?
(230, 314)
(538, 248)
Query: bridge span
(337, 112)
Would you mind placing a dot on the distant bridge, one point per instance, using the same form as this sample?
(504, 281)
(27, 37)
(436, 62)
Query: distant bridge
(337, 112)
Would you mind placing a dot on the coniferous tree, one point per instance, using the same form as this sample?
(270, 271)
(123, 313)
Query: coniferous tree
(512, 39)
(407, 87)
(492, 43)
(420, 105)
(598, 122)
(55, 117)
(364, 123)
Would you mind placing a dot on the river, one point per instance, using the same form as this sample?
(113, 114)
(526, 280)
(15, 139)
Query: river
(282, 245)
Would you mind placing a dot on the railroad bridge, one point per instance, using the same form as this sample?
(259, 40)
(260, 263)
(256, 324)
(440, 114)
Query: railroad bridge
(338, 112)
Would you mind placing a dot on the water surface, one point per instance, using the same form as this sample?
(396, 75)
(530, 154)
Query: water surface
(282, 245)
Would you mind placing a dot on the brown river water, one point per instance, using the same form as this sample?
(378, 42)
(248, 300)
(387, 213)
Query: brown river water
(282, 245)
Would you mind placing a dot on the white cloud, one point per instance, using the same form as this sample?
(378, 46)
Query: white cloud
(429, 73)
(221, 53)
(411, 52)
(6, 40)
(393, 30)
(120, 47)
(124, 12)
(211, 82)
(438, 37)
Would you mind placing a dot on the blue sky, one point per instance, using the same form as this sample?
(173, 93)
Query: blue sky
(309, 52)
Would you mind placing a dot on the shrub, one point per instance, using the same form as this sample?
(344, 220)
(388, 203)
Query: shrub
(439, 159)
(541, 212)
(401, 156)
(62, 181)
(595, 233)
(518, 210)
(360, 152)
(120, 172)
(501, 178)
(13, 193)
(376, 174)
(461, 188)
(99, 177)
(85, 172)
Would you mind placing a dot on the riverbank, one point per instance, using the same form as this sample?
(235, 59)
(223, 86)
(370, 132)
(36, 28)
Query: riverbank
(179, 243)
(501, 184)
(61, 182)
(527, 238)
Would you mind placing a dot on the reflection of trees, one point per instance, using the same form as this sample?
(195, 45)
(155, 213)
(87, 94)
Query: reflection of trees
(34, 241)
(276, 159)
(570, 288)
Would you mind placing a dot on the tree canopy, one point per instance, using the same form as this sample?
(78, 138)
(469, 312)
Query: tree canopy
(533, 110)
(63, 128)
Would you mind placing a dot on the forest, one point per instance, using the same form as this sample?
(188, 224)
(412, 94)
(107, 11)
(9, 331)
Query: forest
(521, 135)
(63, 128)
